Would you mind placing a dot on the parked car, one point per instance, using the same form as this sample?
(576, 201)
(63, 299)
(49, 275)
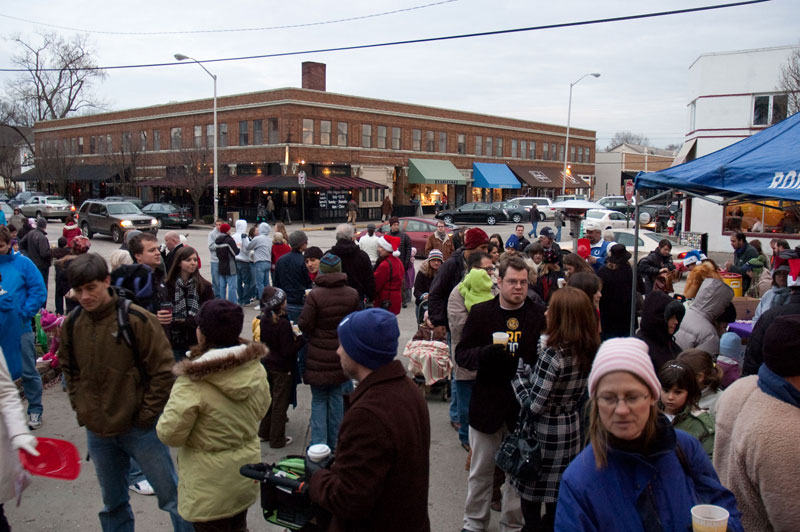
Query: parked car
(648, 241)
(477, 212)
(113, 218)
(608, 219)
(617, 203)
(47, 207)
(418, 229)
(22, 197)
(514, 211)
(169, 214)
(542, 204)
(7, 210)
(566, 197)
(4, 197)
(654, 217)
(132, 199)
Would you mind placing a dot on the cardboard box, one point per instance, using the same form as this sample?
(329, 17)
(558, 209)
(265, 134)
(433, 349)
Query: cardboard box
(745, 307)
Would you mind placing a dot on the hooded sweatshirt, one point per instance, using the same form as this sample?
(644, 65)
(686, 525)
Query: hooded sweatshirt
(212, 417)
(241, 239)
(476, 288)
(261, 245)
(653, 331)
(700, 329)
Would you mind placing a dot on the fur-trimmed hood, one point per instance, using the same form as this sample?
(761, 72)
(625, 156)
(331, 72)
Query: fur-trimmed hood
(226, 369)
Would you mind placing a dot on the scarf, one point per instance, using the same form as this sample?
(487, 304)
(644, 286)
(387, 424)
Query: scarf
(186, 302)
(441, 236)
(776, 386)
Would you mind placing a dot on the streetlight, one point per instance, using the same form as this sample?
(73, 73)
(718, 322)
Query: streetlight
(569, 115)
(181, 57)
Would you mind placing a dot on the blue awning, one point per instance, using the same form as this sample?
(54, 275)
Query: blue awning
(492, 175)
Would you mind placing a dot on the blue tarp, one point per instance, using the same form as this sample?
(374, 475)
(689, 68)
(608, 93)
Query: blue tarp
(763, 166)
(492, 175)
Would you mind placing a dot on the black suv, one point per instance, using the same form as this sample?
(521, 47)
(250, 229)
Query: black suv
(113, 218)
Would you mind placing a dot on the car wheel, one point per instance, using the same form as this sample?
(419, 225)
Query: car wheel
(491, 220)
(448, 219)
(86, 232)
(116, 234)
(542, 217)
(516, 218)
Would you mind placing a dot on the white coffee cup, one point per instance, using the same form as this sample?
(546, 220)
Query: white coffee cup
(709, 518)
(318, 452)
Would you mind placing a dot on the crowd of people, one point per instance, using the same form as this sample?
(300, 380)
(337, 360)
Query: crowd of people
(632, 430)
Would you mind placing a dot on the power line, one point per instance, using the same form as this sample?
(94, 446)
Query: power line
(423, 40)
(232, 30)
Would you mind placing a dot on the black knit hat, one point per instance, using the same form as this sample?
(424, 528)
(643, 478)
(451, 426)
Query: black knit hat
(782, 346)
(220, 321)
(271, 299)
(313, 252)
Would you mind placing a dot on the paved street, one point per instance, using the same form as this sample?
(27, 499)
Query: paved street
(73, 506)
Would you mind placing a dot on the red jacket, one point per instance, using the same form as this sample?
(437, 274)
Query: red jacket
(71, 231)
(278, 251)
(389, 283)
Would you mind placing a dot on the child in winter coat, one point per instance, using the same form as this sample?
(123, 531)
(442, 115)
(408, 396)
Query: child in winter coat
(51, 324)
(709, 377)
(274, 329)
(679, 402)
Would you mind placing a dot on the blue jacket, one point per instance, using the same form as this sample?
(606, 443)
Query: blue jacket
(25, 295)
(291, 276)
(634, 488)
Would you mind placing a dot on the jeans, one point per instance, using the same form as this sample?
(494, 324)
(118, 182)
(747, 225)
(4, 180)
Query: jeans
(31, 380)
(261, 275)
(534, 228)
(111, 458)
(227, 287)
(327, 411)
(135, 474)
(558, 234)
(464, 395)
(215, 278)
(45, 276)
(244, 282)
(453, 400)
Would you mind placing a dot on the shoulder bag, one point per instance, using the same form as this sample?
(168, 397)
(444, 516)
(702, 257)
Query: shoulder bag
(520, 456)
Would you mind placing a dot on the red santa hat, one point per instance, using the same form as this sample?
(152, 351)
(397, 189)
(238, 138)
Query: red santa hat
(794, 273)
(390, 243)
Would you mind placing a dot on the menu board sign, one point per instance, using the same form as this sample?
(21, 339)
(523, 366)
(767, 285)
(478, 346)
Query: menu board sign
(333, 200)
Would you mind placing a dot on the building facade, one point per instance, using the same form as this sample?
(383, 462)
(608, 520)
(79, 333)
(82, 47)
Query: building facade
(623, 162)
(733, 95)
(266, 138)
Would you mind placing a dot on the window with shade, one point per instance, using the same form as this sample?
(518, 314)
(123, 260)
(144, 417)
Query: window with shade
(341, 129)
(769, 109)
(498, 145)
(478, 145)
(532, 150)
(381, 137)
(416, 140)
(308, 131)
(243, 134)
(258, 132)
(143, 140)
(325, 132)
(430, 144)
(198, 136)
(462, 144)
(514, 146)
(223, 135)
(396, 138)
(489, 146)
(442, 142)
(366, 136)
(175, 138)
(272, 131)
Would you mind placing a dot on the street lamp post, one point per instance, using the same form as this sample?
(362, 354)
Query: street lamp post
(181, 57)
(569, 116)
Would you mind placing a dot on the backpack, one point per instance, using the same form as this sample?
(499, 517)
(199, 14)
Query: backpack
(134, 282)
(124, 332)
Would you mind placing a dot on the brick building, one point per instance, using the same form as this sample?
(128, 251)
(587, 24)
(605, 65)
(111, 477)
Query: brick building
(345, 144)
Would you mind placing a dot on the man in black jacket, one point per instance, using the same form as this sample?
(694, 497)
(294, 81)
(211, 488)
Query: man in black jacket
(291, 274)
(493, 407)
(657, 263)
(355, 263)
(36, 246)
(172, 240)
(405, 254)
(451, 273)
(754, 355)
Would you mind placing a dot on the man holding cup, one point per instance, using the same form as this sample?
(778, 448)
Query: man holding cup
(496, 335)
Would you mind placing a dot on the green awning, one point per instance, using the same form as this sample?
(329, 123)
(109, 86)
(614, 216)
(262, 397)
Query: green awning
(434, 172)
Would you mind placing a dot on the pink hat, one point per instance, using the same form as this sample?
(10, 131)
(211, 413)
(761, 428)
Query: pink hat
(49, 320)
(624, 354)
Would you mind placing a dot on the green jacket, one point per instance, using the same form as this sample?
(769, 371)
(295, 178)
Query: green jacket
(698, 423)
(212, 416)
(105, 387)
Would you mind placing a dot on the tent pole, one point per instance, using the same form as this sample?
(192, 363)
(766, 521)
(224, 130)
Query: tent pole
(635, 254)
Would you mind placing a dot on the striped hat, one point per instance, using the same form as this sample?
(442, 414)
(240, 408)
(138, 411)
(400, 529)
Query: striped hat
(624, 354)
(435, 254)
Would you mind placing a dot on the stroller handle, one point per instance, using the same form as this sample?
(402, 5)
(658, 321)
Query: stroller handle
(263, 473)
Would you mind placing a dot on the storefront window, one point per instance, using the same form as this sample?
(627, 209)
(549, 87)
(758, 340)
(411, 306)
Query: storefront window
(428, 194)
(752, 218)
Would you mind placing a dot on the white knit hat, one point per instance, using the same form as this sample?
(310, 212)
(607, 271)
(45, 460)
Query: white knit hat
(624, 354)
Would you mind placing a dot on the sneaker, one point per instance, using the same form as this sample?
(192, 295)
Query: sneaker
(34, 421)
(257, 308)
(142, 488)
(286, 442)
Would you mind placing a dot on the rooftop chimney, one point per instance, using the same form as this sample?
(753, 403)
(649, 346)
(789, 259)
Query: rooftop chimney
(314, 76)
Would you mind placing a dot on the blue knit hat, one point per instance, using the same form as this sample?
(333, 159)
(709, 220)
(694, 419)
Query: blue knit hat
(330, 263)
(370, 337)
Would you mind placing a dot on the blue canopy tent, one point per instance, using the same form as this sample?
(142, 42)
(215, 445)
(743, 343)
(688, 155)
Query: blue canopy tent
(764, 166)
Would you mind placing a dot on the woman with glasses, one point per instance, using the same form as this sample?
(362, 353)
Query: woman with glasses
(638, 472)
(549, 394)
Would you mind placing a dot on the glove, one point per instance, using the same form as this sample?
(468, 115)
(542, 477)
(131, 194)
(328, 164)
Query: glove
(25, 442)
(312, 467)
(495, 351)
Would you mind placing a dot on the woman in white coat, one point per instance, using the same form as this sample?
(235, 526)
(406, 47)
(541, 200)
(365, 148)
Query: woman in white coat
(14, 435)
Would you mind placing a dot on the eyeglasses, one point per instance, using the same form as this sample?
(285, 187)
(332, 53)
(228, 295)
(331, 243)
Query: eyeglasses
(632, 400)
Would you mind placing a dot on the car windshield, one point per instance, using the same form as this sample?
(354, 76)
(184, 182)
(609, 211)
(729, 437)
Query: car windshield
(594, 214)
(123, 208)
(652, 236)
(55, 200)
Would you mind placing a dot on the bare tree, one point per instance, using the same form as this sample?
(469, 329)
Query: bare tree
(57, 80)
(54, 164)
(124, 162)
(674, 147)
(193, 170)
(789, 81)
(627, 137)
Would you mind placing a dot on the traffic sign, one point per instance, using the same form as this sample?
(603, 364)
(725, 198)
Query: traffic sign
(301, 178)
(628, 189)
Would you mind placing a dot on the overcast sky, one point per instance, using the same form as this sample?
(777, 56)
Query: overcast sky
(644, 63)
